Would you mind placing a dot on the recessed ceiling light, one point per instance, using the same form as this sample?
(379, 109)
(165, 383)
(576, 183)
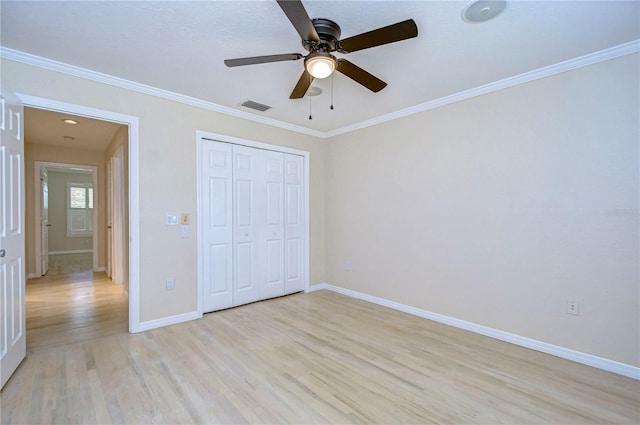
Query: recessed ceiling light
(70, 121)
(483, 10)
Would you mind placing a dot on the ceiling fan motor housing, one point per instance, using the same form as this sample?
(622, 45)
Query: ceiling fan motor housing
(329, 33)
(320, 37)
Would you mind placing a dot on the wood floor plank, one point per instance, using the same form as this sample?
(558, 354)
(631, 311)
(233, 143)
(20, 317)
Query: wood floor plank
(305, 358)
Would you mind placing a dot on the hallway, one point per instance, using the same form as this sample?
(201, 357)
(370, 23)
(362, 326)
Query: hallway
(72, 305)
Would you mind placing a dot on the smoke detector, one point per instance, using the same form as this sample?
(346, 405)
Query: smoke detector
(314, 91)
(483, 10)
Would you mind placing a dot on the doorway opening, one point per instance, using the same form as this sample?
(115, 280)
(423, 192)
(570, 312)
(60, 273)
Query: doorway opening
(127, 134)
(66, 218)
(70, 225)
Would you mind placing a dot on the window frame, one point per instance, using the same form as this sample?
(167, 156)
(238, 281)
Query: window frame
(73, 213)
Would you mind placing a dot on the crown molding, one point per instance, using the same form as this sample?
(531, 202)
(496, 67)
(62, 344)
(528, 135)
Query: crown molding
(568, 65)
(76, 71)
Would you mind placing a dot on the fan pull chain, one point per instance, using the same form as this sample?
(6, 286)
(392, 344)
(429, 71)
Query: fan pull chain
(310, 108)
(332, 91)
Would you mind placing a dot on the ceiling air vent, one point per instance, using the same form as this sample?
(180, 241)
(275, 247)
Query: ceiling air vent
(255, 105)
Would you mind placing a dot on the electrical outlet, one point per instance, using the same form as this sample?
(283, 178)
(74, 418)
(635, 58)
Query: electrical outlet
(572, 307)
(170, 284)
(347, 266)
(184, 218)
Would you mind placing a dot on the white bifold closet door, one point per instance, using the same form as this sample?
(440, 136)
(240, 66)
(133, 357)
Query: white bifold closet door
(216, 233)
(252, 218)
(294, 229)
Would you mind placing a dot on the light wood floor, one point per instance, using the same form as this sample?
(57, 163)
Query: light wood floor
(309, 358)
(67, 309)
(73, 304)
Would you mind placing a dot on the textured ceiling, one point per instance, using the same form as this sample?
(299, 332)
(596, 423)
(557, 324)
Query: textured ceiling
(180, 47)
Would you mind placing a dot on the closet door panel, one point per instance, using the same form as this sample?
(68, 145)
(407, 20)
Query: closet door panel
(294, 223)
(273, 222)
(244, 275)
(274, 258)
(244, 204)
(248, 205)
(217, 230)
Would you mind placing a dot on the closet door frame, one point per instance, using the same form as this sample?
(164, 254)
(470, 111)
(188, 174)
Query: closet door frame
(201, 136)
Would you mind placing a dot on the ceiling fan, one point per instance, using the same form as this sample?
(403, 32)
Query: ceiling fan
(320, 37)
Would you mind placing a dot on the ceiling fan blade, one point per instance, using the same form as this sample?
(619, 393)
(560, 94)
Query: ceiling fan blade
(302, 86)
(360, 76)
(389, 34)
(262, 59)
(298, 16)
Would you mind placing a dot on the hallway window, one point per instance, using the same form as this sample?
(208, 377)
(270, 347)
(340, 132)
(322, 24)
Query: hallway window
(79, 209)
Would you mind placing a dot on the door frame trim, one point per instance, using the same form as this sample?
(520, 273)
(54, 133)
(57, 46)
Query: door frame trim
(215, 137)
(37, 167)
(132, 122)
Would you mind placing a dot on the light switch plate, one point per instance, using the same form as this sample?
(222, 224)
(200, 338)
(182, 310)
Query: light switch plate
(184, 231)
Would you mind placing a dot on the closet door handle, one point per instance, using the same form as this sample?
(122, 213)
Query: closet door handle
(246, 233)
(2, 253)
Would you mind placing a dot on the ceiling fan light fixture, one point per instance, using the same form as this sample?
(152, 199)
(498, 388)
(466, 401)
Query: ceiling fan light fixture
(320, 64)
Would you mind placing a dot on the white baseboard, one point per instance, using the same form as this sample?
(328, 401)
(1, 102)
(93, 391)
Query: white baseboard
(544, 347)
(71, 251)
(99, 269)
(31, 276)
(317, 287)
(166, 321)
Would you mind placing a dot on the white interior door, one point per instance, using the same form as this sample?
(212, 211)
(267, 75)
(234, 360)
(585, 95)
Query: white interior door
(109, 217)
(117, 217)
(248, 204)
(44, 220)
(294, 223)
(216, 225)
(12, 245)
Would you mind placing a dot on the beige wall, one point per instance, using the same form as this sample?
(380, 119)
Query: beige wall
(58, 239)
(61, 155)
(498, 209)
(168, 176)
